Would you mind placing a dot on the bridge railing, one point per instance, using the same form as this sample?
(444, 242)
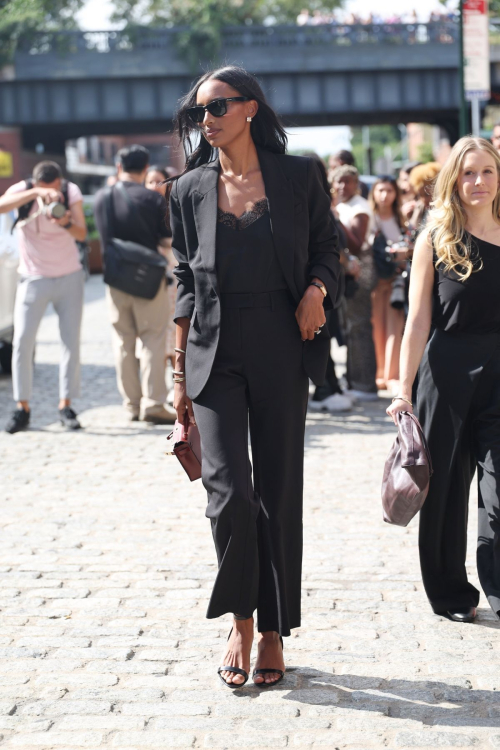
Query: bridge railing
(142, 38)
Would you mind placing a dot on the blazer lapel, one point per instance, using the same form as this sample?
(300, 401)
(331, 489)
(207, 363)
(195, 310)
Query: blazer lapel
(279, 192)
(205, 216)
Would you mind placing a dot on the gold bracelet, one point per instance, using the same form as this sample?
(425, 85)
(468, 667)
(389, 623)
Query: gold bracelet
(402, 398)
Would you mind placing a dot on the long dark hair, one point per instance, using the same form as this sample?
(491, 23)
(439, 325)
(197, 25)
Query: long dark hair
(396, 210)
(266, 129)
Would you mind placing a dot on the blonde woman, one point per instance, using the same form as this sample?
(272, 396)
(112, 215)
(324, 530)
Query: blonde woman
(456, 269)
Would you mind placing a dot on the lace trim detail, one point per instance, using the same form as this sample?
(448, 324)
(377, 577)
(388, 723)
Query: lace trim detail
(248, 217)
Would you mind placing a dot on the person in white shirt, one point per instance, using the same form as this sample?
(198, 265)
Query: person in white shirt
(354, 214)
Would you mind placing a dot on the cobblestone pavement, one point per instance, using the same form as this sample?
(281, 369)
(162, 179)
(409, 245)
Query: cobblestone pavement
(106, 564)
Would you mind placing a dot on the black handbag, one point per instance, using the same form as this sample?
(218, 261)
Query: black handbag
(129, 266)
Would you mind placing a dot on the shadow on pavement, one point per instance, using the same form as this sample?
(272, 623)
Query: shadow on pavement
(431, 702)
(365, 419)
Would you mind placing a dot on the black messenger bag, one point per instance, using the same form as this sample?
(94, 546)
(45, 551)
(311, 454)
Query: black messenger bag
(129, 266)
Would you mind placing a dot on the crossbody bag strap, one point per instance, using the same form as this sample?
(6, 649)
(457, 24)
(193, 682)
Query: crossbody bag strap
(137, 214)
(110, 222)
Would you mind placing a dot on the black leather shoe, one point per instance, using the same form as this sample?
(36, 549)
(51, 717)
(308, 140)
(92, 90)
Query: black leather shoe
(468, 614)
(19, 421)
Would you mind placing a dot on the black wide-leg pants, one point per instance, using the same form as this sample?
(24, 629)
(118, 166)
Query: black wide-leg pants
(459, 407)
(257, 381)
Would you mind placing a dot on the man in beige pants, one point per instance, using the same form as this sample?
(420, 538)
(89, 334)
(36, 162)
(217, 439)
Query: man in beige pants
(141, 383)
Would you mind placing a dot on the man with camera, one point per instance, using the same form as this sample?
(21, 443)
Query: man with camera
(130, 216)
(50, 222)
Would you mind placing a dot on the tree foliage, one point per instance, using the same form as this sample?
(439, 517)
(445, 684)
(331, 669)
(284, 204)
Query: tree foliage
(203, 20)
(23, 17)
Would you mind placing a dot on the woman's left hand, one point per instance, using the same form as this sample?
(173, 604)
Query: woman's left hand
(310, 314)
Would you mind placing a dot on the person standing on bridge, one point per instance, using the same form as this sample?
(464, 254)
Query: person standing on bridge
(454, 285)
(258, 264)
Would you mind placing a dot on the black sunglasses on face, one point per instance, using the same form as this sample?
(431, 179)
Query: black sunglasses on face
(217, 108)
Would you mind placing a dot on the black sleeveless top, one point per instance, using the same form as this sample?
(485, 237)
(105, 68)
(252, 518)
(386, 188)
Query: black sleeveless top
(245, 257)
(471, 306)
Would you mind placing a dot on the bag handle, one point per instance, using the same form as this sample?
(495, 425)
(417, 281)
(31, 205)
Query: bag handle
(408, 442)
(108, 201)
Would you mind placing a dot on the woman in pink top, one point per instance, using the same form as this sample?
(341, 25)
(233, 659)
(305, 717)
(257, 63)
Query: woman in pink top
(50, 272)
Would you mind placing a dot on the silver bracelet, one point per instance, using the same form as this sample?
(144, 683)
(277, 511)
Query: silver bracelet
(178, 372)
(181, 351)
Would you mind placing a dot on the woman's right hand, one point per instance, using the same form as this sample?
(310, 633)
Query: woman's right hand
(182, 402)
(397, 406)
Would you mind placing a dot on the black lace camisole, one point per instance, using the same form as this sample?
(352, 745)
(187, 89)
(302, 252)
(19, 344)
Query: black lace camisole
(245, 257)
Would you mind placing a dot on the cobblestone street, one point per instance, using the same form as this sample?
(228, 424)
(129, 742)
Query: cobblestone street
(107, 562)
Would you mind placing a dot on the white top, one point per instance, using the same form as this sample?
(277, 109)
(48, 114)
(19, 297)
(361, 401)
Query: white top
(389, 227)
(354, 207)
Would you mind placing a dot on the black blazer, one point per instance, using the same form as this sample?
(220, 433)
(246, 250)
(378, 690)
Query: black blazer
(305, 240)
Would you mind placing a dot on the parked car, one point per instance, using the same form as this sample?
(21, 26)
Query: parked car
(9, 261)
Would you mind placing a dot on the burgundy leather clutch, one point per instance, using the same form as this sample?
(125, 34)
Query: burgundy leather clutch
(184, 442)
(407, 472)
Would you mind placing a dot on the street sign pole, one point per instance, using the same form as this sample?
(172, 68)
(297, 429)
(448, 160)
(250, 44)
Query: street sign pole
(476, 57)
(476, 117)
(462, 122)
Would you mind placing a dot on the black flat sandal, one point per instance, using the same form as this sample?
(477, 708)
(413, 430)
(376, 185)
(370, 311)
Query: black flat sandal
(269, 671)
(234, 670)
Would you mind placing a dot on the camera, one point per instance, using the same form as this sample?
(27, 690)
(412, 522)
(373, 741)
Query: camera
(398, 293)
(55, 210)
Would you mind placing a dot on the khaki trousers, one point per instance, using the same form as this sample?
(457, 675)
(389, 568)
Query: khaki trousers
(137, 318)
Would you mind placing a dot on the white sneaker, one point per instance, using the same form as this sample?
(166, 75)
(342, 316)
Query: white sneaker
(317, 405)
(337, 402)
(361, 395)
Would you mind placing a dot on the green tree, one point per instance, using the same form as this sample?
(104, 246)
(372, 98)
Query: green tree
(24, 17)
(203, 20)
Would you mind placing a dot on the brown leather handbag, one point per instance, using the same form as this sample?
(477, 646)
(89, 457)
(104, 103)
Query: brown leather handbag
(407, 472)
(184, 442)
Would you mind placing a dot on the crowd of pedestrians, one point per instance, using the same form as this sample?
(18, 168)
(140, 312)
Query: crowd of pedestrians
(377, 231)
(131, 208)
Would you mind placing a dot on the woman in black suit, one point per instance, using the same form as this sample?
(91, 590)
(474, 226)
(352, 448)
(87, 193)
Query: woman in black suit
(258, 264)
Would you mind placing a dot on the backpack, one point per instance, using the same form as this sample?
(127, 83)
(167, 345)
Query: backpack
(23, 211)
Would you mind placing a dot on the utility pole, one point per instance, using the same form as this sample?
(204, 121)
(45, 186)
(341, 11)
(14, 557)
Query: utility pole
(463, 118)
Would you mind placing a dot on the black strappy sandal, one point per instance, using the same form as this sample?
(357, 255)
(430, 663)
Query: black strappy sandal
(269, 671)
(234, 670)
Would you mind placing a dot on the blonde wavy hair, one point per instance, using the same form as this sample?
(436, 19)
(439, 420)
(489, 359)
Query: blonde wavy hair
(447, 217)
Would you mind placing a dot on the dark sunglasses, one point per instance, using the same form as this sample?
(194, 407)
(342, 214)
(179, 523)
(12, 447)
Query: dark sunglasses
(217, 108)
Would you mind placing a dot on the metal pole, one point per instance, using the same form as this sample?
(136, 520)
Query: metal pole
(476, 117)
(366, 148)
(462, 121)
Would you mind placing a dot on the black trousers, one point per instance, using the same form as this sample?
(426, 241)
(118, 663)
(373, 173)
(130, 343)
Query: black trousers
(459, 408)
(257, 380)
